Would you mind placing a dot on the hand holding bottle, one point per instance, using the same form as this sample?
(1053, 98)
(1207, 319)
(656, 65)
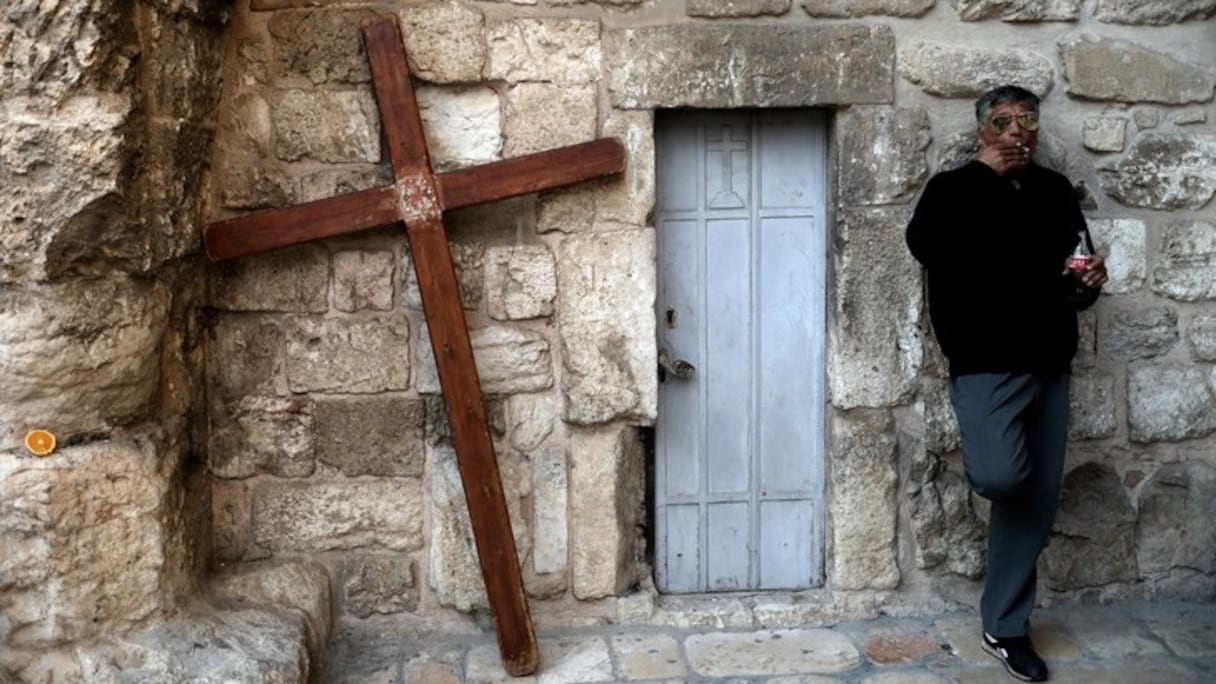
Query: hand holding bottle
(1089, 268)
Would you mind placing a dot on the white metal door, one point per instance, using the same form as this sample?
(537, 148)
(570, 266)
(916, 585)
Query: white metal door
(742, 263)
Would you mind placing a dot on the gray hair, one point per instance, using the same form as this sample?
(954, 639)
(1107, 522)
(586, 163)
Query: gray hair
(1003, 95)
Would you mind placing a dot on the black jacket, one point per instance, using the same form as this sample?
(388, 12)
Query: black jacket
(994, 248)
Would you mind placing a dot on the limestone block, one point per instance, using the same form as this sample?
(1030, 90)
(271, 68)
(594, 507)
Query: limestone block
(863, 508)
(445, 41)
(951, 70)
(543, 116)
(628, 198)
(1018, 10)
(1144, 75)
(380, 584)
(875, 349)
(247, 175)
(1146, 118)
(1165, 170)
(941, 427)
(606, 291)
(570, 210)
(550, 505)
(469, 262)
(381, 435)
(1185, 268)
(252, 61)
(244, 355)
(62, 170)
(1104, 133)
(463, 126)
(1176, 528)
(521, 282)
(531, 419)
(749, 65)
(364, 280)
(68, 49)
(555, 50)
(300, 587)
(1202, 335)
(882, 154)
(607, 480)
(253, 434)
(736, 8)
(1190, 115)
(1092, 411)
(1087, 339)
(1168, 403)
(945, 525)
(509, 360)
(1153, 12)
(1140, 334)
(292, 280)
(79, 358)
(333, 126)
(338, 515)
(347, 355)
(329, 182)
(85, 544)
(454, 571)
(321, 46)
(262, 645)
(1093, 540)
(232, 522)
(1122, 242)
(854, 8)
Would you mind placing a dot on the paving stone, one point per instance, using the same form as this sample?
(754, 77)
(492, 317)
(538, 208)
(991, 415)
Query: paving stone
(1190, 633)
(1104, 637)
(649, 656)
(893, 646)
(569, 660)
(786, 651)
(905, 678)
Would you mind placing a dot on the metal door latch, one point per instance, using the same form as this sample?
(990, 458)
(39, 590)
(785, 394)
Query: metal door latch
(679, 368)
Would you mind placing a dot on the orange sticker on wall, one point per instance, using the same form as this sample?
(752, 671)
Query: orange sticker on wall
(40, 442)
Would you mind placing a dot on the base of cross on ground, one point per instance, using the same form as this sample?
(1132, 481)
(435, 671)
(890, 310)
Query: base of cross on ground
(1120, 643)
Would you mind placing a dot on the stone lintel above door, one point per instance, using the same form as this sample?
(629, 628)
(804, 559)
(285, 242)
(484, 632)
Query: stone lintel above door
(750, 65)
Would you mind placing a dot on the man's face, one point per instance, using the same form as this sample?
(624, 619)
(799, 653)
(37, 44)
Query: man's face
(1011, 123)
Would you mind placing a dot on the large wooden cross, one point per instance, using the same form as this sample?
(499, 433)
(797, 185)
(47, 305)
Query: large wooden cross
(418, 198)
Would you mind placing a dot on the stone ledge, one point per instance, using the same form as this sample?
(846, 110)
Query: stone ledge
(266, 623)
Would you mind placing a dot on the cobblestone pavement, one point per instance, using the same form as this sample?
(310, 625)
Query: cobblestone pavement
(1127, 643)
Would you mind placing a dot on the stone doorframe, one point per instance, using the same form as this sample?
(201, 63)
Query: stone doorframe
(877, 164)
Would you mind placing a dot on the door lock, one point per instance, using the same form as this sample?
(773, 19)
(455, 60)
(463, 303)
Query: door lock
(678, 368)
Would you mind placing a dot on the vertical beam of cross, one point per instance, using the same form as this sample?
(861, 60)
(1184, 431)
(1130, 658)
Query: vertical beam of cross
(418, 197)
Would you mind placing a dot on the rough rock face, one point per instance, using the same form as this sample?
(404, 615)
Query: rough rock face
(1164, 171)
(1144, 75)
(954, 70)
(1093, 541)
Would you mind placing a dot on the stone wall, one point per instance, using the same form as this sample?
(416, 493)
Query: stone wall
(318, 415)
(327, 438)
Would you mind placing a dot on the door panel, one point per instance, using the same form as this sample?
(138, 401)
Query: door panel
(739, 443)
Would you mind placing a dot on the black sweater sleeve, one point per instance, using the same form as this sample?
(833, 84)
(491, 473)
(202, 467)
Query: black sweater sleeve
(931, 237)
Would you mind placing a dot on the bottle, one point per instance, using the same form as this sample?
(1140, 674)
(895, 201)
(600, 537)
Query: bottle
(1078, 261)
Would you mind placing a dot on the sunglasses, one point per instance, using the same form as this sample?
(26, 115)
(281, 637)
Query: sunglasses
(1028, 121)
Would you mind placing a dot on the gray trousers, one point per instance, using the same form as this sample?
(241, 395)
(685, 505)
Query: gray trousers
(1014, 433)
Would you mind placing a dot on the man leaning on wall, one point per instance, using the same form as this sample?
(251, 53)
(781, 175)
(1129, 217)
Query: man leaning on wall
(997, 238)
